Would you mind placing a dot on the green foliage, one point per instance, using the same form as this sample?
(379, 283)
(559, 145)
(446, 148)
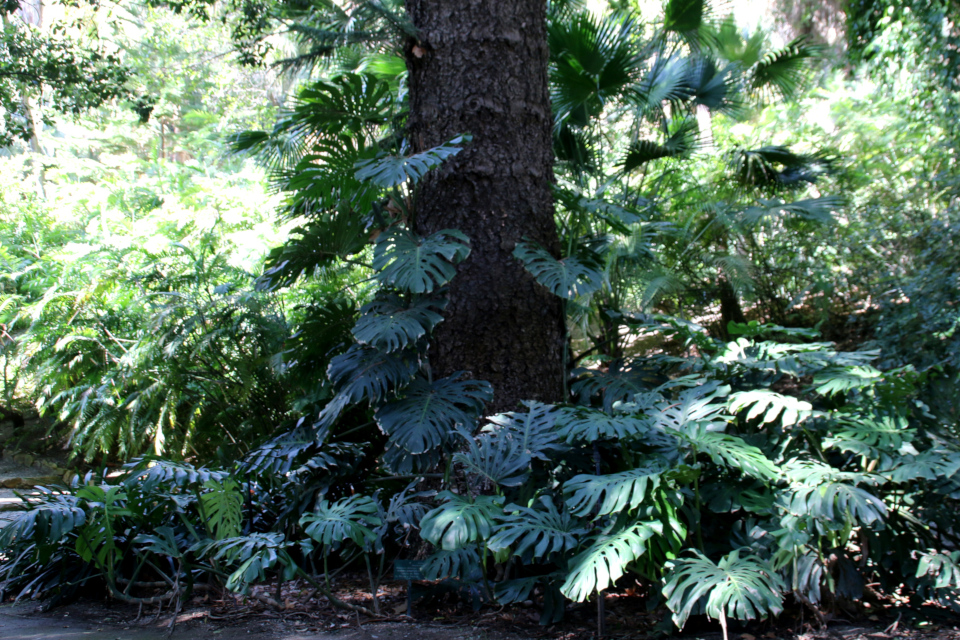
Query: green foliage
(742, 588)
(606, 557)
(429, 411)
(536, 532)
(389, 324)
(77, 73)
(569, 277)
(222, 505)
(612, 493)
(419, 265)
(348, 519)
(723, 465)
(387, 171)
(458, 522)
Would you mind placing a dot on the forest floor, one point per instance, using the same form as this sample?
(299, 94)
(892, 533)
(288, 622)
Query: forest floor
(219, 620)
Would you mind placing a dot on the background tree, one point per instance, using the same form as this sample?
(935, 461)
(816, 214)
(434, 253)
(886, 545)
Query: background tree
(68, 73)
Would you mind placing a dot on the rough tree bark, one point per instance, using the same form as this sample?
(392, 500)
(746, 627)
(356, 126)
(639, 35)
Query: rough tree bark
(480, 67)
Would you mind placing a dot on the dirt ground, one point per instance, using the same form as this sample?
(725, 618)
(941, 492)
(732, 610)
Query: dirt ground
(94, 620)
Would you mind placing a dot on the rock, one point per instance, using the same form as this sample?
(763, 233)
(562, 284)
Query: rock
(23, 458)
(11, 483)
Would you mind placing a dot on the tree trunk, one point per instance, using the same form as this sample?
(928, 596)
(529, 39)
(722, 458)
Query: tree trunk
(479, 67)
(730, 309)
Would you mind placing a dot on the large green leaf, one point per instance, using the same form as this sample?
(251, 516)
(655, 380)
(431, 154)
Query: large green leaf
(343, 105)
(389, 324)
(783, 71)
(323, 180)
(683, 15)
(48, 522)
(614, 492)
(731, 451)
(352, 518)
(941, 568)
(769, 406)
(830, 496)
(533, 430)
(870, 435)
(388, 170)
(580, 424)
(698, 407)
(222, 505)
(677, 144)
(538, 531)
(323, 240)
(256, 553)
(493, 458)
(459, 521)
(595, 60)
(419, 265)
(569, 277)
(456, 563)
(429, 412)
(739, 588)
(365, 373)
(606, 558)
(836, 380)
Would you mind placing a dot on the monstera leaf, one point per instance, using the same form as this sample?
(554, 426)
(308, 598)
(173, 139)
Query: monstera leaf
(325, 238)
(459, 521)
(347, 519)
(400, 461)
(769, 405)
(569, 277)
(539, 531)
(48, 522)
(942, 569)
(694, 408)
(731, 451)
(222, 505)
(257, 553)
(389, 325)
(580, 424)
(456, 563)
(831, 496)
(499, 459)
(423, 419)
(419, 265)
(614, 492)
(865, 434)
(388, 170)
(153, 473)
(606, 559)
(740, 588)
(533, 430)
(366, 373)
(622, 382)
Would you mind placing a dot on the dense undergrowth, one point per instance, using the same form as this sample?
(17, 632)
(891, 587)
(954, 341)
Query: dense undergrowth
(279, 420)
